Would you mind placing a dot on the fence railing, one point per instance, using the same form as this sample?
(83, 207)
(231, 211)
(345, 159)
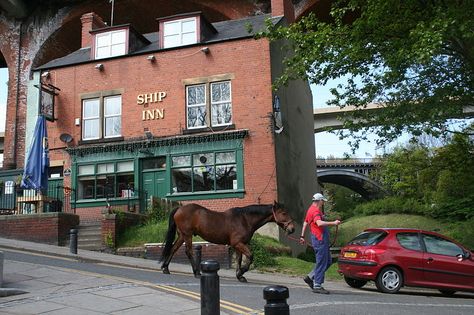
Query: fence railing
(17, 200)
(59, 198)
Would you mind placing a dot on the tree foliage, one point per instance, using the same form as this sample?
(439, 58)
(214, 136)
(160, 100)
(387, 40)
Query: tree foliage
(441, 179)
(414, 57)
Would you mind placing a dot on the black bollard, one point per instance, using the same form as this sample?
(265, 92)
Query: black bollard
(276, 300)
(73, 241)
(210, 296)
(197, 257)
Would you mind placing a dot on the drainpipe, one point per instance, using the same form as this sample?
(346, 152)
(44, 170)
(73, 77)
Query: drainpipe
(17, 102)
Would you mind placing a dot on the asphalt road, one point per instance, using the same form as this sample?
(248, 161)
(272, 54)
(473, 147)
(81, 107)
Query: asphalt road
(342, 300)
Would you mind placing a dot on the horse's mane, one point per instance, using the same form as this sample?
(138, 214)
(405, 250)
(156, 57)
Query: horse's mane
(252, 209)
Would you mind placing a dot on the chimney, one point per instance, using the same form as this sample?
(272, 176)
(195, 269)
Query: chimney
(89, 22)
(285, 8)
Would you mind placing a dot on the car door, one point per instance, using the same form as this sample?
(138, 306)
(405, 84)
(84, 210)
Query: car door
(410, 257)
(441, 266)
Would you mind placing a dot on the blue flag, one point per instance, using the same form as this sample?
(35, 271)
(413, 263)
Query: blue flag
(35, 175)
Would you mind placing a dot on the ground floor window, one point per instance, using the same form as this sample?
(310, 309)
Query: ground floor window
(105, 180)
(200, 172)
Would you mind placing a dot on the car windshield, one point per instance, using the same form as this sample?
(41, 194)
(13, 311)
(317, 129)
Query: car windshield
(368, 238)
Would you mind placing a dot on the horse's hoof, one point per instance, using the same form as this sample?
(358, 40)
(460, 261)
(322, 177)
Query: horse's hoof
(242, 279)
(197, 275)
(166, 271)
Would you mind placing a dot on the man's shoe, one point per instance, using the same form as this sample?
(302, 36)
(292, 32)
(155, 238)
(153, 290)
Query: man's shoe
(309, 282)
(320, 290)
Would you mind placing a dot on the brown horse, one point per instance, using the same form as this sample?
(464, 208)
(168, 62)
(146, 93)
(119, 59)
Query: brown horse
(234, 227)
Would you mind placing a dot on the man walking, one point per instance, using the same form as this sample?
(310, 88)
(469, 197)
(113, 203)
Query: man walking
(320, 240)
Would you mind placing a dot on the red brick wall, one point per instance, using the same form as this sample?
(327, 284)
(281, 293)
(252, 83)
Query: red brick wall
(221, 253)
(48, 228)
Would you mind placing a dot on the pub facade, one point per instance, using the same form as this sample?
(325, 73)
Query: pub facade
(186, 113)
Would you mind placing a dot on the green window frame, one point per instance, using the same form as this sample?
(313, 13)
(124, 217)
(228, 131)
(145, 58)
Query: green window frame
(208, 172)
(101, 180)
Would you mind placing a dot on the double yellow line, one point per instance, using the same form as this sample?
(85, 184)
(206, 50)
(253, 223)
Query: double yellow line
(236, 308)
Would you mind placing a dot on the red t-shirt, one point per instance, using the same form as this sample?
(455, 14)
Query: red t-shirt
(312, 215)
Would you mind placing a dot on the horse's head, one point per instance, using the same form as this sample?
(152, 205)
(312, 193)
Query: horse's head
(282, 218)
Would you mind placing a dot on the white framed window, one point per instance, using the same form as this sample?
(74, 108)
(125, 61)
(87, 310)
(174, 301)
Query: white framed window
(112, 116)
(110, 44)
(179, 32)
(90, 119)
(218, 105)
(102, 117)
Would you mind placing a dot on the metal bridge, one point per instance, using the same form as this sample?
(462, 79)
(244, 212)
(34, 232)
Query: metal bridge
(350, 173)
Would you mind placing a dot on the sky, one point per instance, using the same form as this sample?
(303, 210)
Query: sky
(327, 144)
(3, 97)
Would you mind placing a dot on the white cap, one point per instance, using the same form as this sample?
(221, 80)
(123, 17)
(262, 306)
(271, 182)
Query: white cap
(318, 196)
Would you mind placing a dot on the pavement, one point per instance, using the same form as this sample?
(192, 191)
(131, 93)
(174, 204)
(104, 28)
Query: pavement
(38, 289)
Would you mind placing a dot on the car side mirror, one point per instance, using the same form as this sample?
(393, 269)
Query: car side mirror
(463, 256)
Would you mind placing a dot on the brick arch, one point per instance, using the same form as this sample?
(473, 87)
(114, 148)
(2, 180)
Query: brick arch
(319, 7)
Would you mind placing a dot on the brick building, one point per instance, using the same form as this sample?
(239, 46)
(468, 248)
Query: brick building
(186, 112)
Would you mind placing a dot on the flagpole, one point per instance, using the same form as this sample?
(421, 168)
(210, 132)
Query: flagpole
(112, 13)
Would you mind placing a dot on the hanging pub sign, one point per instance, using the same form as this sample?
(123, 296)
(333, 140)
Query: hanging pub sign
(46, 100)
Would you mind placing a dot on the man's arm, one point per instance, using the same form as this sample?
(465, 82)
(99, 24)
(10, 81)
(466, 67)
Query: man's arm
(303, 229)
(326, 223)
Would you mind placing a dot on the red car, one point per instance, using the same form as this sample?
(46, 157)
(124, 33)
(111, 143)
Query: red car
(407, 257)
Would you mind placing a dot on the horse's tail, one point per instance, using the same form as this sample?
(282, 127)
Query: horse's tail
(170, 235)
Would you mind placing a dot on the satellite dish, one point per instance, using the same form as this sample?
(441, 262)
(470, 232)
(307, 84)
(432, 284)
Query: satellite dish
(65, 137)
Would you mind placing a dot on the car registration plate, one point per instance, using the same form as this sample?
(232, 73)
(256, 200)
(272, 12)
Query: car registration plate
(350, 255)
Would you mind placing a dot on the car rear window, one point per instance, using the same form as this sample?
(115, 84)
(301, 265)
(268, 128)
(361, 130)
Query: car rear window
(368, 238)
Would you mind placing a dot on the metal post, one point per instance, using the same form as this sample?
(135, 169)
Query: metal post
(276, 300)
(210, 296)
(198, 256)
(1, 269)
(73, 241)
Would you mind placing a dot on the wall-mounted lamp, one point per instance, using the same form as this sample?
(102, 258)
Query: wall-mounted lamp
(151, 58)
(99, 66)
(205, 50)
(148, 135)
(45, 74)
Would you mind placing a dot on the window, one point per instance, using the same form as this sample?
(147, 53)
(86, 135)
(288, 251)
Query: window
(201, 172)
(102, 117)
(179, 33)
(105, 180)
(438, 245)
(218, 104)
(368, 238)
(409, 241)
(110, 44)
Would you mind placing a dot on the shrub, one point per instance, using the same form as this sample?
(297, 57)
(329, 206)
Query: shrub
(393, 204)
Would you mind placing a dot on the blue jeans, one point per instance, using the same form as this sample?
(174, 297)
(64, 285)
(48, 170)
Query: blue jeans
(323, 258)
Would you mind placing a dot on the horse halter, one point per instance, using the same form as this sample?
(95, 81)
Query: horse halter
(285, 224)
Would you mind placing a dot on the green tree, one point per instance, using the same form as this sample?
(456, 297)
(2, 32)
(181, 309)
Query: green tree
(416, 57)
(342, 201)
(406, 171)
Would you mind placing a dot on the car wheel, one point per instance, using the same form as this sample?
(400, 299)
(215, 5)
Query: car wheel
(355, 283)
(389, 280)
(447, 292)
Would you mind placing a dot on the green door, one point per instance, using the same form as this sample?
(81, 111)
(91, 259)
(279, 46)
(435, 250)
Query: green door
(154, 181)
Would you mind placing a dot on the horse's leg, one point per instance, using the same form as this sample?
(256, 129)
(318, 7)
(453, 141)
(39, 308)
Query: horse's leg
(177, 244)
(239, 262)
(244, 250)
(189, 252)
